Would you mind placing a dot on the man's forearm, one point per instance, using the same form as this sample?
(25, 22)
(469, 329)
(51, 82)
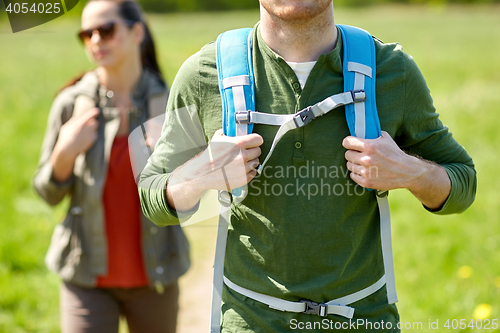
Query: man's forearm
(432, 186)
(182, 193)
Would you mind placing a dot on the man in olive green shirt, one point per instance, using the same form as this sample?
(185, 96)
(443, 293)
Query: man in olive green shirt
(307, 229)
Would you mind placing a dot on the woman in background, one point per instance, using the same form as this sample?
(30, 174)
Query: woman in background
(112, 260)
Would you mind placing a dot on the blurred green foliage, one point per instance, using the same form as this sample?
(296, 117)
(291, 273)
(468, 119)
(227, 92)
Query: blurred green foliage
(161, 6)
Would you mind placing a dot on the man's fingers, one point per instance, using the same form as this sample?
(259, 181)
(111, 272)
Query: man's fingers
(353, 156)
(223, 151)
(249, 141)
(251, 175)
(353, 143)
(357, 169)
(244, 141)
(252, 165)
(251, 153)
(357, 178)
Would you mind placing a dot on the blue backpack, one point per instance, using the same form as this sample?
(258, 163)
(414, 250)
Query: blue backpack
(237, 90)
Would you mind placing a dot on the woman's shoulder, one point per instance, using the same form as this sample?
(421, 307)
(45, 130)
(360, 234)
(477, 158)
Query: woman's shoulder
(63, 104)
(87, 85)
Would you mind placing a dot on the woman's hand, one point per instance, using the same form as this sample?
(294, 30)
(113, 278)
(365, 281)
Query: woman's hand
(75, 137)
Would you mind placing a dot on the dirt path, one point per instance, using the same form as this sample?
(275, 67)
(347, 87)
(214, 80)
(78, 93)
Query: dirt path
(196, 285)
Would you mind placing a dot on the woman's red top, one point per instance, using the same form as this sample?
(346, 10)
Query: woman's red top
(123, 222)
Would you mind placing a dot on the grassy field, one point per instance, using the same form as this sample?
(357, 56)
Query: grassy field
(446, 267)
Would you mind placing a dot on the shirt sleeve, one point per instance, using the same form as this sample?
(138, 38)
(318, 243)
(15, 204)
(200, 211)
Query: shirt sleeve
(43, 182)
(181, 139)
(423, 134)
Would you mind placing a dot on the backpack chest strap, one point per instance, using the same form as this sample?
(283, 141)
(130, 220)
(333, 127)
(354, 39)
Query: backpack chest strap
(289, 122)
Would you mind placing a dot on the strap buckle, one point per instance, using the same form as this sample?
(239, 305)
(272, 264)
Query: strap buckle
(304, 117)
(382, 194)
(242, 117)
(358, 96)
(225, 198)
(319, 309)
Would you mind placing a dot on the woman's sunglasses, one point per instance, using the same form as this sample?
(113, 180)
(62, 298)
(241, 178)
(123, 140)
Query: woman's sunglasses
(106, 31)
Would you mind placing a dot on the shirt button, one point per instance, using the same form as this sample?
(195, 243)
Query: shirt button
(296, 85)
(76, 211)
(153, 230)
(298, 145)
(159, 270)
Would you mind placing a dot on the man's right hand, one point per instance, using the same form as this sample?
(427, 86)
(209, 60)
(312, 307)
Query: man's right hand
(227, 163)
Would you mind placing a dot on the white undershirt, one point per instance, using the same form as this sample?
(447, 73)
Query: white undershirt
(302, 70)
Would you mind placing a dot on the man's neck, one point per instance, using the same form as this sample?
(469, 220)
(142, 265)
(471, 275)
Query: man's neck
(301, 40)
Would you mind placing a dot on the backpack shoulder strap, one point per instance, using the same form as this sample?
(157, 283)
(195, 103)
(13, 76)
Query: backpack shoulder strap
(359, 69)
(237, 90)
(236, 80)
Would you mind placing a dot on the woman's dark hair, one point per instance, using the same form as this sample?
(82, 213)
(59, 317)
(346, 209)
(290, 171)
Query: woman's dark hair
(131, 11)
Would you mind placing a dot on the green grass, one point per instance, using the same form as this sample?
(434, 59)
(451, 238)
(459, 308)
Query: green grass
(457, 50)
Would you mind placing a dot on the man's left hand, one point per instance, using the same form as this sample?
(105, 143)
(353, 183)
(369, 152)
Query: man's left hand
(379, 163)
